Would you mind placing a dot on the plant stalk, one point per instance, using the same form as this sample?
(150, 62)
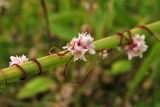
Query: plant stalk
(12, 74)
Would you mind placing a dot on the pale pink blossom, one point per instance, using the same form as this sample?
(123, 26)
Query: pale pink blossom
(136, 47)
(80, 46)
(18, 60)
(103, 54)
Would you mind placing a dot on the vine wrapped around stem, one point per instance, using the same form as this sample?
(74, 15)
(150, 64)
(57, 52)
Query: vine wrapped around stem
(13, 73)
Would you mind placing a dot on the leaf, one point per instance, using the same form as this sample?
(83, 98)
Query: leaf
(121, 66)
(35, 86)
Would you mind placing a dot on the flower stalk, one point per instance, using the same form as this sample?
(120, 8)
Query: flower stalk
(12, 74)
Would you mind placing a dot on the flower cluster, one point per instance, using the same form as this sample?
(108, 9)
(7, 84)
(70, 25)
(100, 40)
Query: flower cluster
(83, 44)
(80, 46)
(18, 60)
(136, 47)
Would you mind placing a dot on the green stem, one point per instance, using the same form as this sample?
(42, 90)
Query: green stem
(14, 74)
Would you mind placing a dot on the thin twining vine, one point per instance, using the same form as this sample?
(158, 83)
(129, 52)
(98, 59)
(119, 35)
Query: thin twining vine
(82, 45)
(15, 61)
(38, 64)
(22, 70)
(148, 30)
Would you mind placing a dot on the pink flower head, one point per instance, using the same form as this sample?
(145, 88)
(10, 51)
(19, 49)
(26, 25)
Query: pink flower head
(18, 60)
(136, 47)
(80, 46)
(103, 54)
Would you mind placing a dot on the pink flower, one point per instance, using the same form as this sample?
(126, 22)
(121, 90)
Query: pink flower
(136, 47)
(18, 60)
(80, 46)
(103, 54)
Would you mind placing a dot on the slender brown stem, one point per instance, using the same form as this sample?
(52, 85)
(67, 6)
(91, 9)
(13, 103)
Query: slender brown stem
(65, 68)
(82, 81)
(62, 54)
(39, 65)
(145, 28)
(57, 53)
(129, 33)
(121, 35)
(86, 76)
(148, 30)
(51, 49)
(22, 70)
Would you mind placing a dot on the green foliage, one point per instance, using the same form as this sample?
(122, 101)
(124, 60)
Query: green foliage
(35, 86)
(23, 30)
(120, 67)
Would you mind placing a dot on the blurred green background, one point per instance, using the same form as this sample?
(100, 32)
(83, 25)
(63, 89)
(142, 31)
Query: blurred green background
(32, 27)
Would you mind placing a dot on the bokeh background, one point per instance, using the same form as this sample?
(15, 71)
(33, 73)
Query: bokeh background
(32, 27)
